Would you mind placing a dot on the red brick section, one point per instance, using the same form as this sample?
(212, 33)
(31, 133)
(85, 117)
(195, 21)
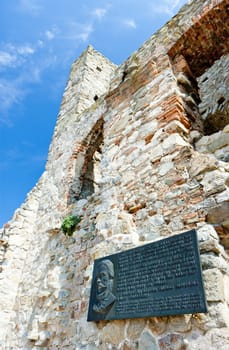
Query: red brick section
(87, 147)
(180, 65)
(207, 40)
(133, 82)
(173, 109)
(80, 147)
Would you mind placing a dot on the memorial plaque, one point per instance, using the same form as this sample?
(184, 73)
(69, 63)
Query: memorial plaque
(157, 279)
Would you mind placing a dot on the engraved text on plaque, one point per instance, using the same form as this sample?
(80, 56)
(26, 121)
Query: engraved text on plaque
(156, 279)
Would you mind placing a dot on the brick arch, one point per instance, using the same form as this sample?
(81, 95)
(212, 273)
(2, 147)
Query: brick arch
(85, 160)
(206, 41)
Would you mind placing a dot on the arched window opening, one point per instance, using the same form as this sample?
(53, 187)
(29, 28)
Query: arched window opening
(87, 171)
(90, 174)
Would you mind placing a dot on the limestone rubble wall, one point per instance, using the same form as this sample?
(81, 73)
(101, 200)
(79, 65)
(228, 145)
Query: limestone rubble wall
(152, 178)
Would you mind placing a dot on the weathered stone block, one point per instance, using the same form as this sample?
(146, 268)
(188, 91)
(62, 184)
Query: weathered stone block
(135, 328)
(156, 153)
(219, 213)
(223, 196)
(157, 220)
(44, 337)
(180, 324)
(147, 341)
(113, 333)
(88, 331)
(172, 141)
(221, 141)
(214, 285)
(217, 316)
(206, 233)
(210, 261)
(201, 164)
(158, 325)
(33, 333)
(214, 182)
(212, 340)
(222, 154)
(172, 341)
(165, 168)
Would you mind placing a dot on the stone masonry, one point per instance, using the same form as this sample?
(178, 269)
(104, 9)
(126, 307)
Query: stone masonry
(139, 152)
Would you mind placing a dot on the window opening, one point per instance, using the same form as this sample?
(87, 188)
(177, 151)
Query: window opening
(87, 166)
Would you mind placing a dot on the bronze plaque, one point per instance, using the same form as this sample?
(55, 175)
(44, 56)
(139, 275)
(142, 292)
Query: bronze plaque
(156, 279)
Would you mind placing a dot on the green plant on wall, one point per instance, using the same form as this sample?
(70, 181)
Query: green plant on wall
(69, 223)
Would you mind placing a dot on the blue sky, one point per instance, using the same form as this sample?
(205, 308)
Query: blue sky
(39, 40)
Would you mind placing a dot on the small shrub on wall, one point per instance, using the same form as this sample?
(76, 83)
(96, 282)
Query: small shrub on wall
(69, 223)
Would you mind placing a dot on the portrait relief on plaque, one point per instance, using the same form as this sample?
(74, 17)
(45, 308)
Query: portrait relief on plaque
(103, 286)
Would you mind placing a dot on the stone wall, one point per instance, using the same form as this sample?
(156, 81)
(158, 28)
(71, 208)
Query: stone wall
(129, 157)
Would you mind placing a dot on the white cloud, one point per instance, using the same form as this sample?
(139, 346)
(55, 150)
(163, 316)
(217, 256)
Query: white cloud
(130, 23)
(40, 43)
(20, 50)
(35, 75)
(32, 7)
(52, 33)
(99, 12)
(14, 56)
(7, 59)
(14, 90)
(25, 50)
(85, 33)
(77, 31)
(10, 94)
(49, 35)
